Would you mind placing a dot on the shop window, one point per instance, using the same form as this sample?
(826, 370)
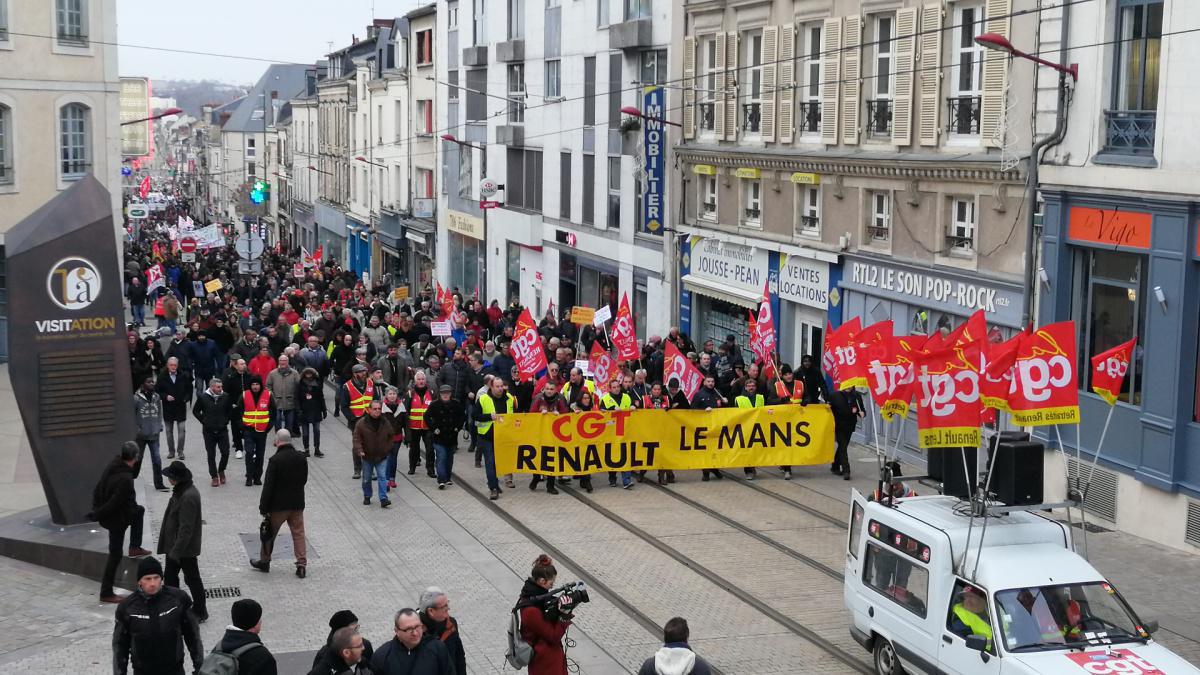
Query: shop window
(752, 203)
(879, 227)
(808, 210)
(708, 198)
(896, 578)
(960, 235)
(1113, 311)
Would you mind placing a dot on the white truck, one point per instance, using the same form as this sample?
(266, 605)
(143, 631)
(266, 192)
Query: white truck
(923, 600)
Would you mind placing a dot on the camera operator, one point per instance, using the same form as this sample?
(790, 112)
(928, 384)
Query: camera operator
(542, 626)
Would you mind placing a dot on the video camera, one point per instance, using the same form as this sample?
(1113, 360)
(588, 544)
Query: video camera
(576, 591)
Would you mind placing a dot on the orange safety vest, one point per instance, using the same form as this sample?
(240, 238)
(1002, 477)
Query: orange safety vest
(256, 416)
(417, 407)
(649, 404)
(797, 394)
(360, 400)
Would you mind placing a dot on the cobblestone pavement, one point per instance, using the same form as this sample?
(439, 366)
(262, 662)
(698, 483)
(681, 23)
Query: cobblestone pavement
(375, 561)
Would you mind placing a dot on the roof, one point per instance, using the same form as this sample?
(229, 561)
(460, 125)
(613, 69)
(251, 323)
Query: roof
(287, 80)
(1008, 567)
(949, 515)
(431, 8)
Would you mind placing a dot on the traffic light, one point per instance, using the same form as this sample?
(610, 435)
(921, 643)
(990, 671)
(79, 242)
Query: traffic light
(261, 192)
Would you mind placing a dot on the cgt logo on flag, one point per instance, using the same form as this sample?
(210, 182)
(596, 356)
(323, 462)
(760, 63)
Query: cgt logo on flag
(950, 405)
(1114, 662)
(1109, 369)
(1044, 387)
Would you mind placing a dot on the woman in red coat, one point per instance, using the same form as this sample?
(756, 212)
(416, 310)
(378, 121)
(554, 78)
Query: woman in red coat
(544, 630)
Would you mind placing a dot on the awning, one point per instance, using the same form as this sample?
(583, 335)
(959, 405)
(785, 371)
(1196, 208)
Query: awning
(715, 289)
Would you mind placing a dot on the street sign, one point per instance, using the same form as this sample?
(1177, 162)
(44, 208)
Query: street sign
(249, 267)
(488, 204)
(488, 187)
(137, 211)
(249, 246)
(187, 245)
(582, 315)
(188, 257)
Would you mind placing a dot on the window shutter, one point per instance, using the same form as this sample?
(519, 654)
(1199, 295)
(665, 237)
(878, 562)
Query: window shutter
(831, 75)
(902, 103)
(931, 74)
(689, 87)
(786, 98)
(770, 69)
(718, 96)
(731, 85)
(851, 78)
(995, 76)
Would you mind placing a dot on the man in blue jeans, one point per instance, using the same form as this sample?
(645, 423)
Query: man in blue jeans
(444, 418)
(492, 406)
(373, 443)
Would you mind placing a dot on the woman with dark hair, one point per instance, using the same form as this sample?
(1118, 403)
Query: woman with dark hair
(541, 626)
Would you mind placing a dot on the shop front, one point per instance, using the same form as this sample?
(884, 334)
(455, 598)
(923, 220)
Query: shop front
(303, 226)
(358, 241)
(587, 281)
(721, 281)
(392, 252)
(466, 246)
(331, 233)
(1124, 267)
(803, 287)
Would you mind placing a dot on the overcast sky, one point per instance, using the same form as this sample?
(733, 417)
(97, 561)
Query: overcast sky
(295, 31)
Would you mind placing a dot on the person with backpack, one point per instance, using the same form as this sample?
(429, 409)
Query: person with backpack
(536, 633)
(241, 651)
(152, 624)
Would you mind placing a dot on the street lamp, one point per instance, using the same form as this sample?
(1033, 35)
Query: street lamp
(634, 112)
(999, 43)
(165, 113)
(360, 158)
(452, 139)
(327, 173)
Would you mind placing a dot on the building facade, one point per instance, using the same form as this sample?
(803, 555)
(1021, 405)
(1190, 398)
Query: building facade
(536, 89)
(1120, 252)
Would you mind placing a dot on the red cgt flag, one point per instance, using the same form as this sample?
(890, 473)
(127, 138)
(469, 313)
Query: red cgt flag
(891, 373)
(624, 336)
(949, 404)
(997, 373)
(834, 355)
(602, 365)
(527, 347)
(1109, 369)
(677, 367)
(1045, 384)
(144, 190)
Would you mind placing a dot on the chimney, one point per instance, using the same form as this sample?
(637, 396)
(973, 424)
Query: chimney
(372, 32)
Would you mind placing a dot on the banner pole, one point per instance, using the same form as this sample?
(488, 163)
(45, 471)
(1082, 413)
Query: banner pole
(1067, 473)
(1096, 458)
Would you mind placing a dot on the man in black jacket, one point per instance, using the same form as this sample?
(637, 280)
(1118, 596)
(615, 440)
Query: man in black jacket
(174, 386)
(236, 381)
(115, 507)
(814, 382)
(412, 651)
(213, 408)
(847, 408)
(445, 418)
(345, 655)
(434, 609)
(282, 500)
(179, 538)
(152, 626)
(241, 639)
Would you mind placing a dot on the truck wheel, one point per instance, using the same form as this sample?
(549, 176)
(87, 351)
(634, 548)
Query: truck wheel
(886, 662)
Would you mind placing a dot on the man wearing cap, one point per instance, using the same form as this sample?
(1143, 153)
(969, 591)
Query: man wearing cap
(353, 398)
(445, 418)
(179, 537)
(151, 626)
(282, 500)
(115, 507)
(373, 444)
(242, 641)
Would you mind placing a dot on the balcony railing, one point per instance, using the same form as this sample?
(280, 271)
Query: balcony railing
(707, 119)
(73, 37)
(810, 117)
(879, 116)
(708, 210)
(810, 223)
(878, 233)
(957, 243)
(1130, 132)
(751, 214)
(963, 115)
(752, 117)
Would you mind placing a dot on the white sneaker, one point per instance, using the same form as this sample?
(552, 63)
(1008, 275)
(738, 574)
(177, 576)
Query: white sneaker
(237, 455)
(787, 475)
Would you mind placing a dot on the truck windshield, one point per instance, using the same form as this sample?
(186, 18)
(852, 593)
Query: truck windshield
(1057, 617)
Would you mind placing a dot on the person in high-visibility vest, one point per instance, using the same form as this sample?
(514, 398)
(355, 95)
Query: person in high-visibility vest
(750, 398)
(788, 391)
(417, 402)
(656, 400)
(969, 616)
(617, 399)
(257, 412)
(489, 407)
(354, 398)
(575, 386)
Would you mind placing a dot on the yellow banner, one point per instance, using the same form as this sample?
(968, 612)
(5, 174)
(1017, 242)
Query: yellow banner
(591, 442)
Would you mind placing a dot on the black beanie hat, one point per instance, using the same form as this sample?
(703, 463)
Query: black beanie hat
(341, 619)
(148, 566)
(245, 613)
